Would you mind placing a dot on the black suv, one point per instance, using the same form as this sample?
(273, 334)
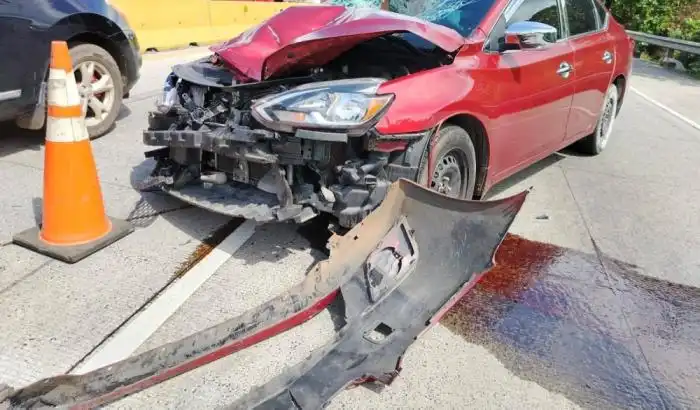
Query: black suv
(104, 50)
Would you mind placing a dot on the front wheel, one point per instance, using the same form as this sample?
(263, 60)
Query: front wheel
(453, 164)
(595, 143)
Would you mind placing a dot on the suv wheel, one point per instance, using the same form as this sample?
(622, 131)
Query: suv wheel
(100, 86)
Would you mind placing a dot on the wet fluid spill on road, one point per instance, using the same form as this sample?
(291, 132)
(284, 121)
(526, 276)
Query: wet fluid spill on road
(590, 328)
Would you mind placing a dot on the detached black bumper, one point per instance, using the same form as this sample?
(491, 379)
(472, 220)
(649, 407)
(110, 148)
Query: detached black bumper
(398, 272)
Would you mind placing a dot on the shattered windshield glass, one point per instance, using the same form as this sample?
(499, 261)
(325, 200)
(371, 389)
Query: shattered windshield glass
(460, 15)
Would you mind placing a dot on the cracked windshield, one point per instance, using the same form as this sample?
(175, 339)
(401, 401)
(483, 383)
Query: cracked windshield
(460, 15)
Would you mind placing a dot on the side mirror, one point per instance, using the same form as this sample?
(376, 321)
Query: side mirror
(523, 35)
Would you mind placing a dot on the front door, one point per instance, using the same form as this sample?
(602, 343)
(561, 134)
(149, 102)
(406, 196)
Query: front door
(594, 63)
(532, 87)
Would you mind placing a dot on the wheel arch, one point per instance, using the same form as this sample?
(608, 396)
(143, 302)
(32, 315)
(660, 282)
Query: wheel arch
(477, 132)
(91, 28)
(621, 83)
(109, 45)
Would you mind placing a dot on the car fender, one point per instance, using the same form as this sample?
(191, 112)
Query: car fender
(423, 100)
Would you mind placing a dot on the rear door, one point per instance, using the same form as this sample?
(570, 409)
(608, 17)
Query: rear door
(12, 26)
(532, 93)
(19, 44)
(593, 63)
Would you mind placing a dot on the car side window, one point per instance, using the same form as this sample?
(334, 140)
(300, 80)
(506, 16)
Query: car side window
(540, 11)
(602, 13)
(581, 15)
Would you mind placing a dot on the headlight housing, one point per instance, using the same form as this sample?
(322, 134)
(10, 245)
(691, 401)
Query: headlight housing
(343, 105)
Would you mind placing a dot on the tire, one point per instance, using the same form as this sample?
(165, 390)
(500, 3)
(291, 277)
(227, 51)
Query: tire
(111, 99)
(453, 148)
(595, 143)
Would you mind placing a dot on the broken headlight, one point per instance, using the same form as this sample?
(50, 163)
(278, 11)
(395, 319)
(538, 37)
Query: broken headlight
(338, 105)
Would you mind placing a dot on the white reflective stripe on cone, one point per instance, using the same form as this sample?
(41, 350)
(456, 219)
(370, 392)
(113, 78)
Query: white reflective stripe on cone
(65, 129)
(62, 90)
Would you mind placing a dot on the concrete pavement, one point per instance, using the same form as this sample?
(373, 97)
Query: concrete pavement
(636, 203)
(675, 90)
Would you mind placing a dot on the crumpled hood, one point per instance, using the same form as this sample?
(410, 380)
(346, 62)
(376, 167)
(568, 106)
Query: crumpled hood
(305, 36)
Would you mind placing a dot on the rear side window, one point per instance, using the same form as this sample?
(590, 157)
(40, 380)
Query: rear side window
(602, 13)
(581, 15)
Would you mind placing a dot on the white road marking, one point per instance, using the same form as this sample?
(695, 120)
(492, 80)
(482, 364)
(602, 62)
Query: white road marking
(667, 109)
(125, 342)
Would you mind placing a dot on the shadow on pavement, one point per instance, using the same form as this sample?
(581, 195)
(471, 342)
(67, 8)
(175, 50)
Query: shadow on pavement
(14, 139)
(124, 112)
(523, 175)
(152, 203)
(590, 328)
(150, 206)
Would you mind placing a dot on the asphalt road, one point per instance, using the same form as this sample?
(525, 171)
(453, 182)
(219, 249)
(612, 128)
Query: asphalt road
(611, 251)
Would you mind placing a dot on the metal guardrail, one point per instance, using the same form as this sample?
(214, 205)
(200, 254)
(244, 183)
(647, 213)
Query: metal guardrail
(666, 42)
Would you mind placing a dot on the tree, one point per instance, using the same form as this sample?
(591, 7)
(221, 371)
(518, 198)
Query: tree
(652, 16)
(670, 18)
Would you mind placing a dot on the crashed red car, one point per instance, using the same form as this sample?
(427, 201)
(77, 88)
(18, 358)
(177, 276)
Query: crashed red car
(320, 108)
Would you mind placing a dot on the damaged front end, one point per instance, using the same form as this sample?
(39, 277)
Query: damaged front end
(398, 272)
(240, 151)
(299, 140)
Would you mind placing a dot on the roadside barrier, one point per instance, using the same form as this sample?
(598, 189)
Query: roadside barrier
(168, 24)
(74, 224)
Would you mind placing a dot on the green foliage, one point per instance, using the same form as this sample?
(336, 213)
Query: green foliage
(688, 29)
(652, 16)
(670, 18)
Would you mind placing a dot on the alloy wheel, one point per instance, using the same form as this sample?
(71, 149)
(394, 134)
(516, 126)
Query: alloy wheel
(96, 89)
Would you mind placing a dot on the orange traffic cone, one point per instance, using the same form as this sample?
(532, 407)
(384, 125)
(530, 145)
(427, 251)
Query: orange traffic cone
(74, 223)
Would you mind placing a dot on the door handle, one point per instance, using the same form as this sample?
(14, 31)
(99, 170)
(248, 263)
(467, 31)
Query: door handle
(564, 69)
(607, 57)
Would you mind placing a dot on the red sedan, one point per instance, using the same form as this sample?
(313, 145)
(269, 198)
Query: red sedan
(319, 108)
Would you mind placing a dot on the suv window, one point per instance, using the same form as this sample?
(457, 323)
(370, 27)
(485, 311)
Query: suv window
(540, 11)
(581, 15)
